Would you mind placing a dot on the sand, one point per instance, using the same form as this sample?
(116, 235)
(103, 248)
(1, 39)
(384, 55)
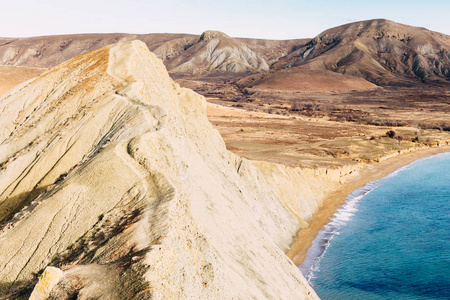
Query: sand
(352, 182)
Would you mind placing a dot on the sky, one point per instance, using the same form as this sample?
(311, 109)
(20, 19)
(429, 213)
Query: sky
(270, 19)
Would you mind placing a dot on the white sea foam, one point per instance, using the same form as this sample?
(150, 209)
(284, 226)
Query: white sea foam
(343, 215)
(311, 264)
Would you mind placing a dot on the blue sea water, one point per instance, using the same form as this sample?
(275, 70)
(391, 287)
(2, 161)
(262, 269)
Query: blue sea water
(391, 240)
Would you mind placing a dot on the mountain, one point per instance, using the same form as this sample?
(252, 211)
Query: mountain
(114, 185)
(380, 51)
(49, 51)
(230, 54)
(217, 52)
(273, 50)
(315, 81)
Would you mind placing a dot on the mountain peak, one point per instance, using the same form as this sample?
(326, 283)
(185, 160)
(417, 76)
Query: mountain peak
(212, 34)
(375, 28)
(217, 52)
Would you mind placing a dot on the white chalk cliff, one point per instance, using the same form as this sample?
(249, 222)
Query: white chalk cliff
(112, 173)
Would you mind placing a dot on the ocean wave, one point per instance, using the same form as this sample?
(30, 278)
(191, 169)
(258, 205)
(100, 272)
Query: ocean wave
(311, 263)
(343, 215)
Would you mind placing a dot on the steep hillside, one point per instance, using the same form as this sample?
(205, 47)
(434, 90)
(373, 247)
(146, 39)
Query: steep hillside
(381, 51)
(273, 50)
(113, 180)
(217, 52)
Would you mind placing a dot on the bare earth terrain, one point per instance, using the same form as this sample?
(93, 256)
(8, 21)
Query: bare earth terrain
(319, 138)
(10, 76)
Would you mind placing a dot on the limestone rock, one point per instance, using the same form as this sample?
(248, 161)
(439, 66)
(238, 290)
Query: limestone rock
(112, 172)
(46, 283)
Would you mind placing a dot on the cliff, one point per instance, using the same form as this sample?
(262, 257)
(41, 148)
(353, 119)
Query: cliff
(112, 173)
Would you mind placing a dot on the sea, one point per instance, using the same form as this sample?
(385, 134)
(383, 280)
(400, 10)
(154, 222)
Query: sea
(391, 239)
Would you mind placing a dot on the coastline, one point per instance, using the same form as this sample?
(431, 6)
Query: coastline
(335, 200)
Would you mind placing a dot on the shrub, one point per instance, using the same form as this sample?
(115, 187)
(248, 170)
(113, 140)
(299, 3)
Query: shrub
(390, 133)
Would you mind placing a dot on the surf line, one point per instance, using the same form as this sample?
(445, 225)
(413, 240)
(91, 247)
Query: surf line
(311, 263)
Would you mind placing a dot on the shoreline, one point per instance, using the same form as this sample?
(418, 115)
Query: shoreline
(370, 172)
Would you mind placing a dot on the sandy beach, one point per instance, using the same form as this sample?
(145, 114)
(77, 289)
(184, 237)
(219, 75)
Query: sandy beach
(350, 183)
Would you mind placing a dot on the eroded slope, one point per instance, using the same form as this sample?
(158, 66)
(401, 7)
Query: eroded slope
(217, 52)
(381, 51)
(112, 172)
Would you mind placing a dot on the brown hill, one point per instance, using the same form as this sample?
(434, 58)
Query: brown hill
(301, 80)
(49, 51)
(243, 53)
(217, 52)
(273, 50)
(381, 51)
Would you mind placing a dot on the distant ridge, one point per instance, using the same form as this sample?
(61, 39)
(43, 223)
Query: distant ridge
(217, 52)
(380, 51)
(49, 51)
(235, 54)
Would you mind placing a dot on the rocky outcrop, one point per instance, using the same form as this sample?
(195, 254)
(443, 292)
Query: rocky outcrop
(47, 281)
(217, 52)
(112, 173)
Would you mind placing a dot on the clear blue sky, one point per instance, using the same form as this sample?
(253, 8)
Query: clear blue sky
(276, 19)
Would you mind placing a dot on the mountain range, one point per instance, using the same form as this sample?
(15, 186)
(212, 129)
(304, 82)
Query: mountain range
(379, 51)
(210, 52)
